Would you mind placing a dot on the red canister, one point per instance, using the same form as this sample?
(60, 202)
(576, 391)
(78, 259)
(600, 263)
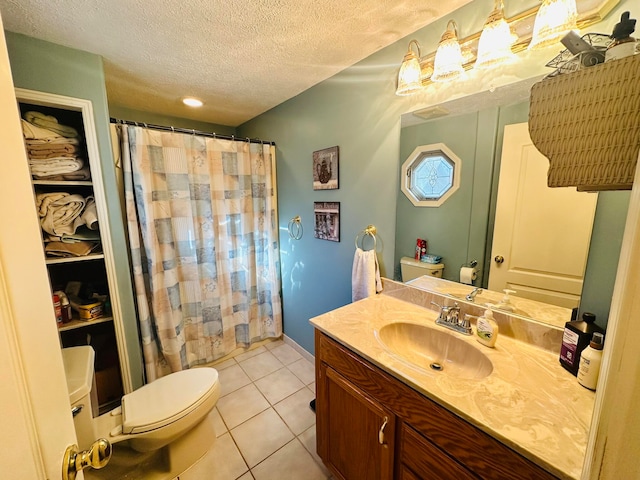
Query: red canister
(57, 307)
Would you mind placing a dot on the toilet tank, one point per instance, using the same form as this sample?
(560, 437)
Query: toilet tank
(83, 399)
(411, 268)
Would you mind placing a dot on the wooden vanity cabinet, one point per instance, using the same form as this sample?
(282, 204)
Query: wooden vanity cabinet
(420, 440)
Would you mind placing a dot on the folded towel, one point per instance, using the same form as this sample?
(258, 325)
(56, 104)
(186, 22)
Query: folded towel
(365, 275)
(54, 166)
(81, 234)
(90, 215)
(51, 150)
(50, 123)
(60, 212)
(31, 131)
(83, 174)
(77, 249)
(32, 142)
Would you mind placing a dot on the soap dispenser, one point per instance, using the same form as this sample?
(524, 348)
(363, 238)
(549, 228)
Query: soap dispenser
(505, 303)
(487, 328)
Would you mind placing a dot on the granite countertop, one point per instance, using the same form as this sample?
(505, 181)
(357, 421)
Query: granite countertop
(529, 402)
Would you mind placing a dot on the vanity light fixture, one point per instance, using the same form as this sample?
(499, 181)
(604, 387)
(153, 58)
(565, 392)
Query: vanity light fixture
(192, 102)
(448, 60)
(554, 20)
(409, 76)
(494, 46)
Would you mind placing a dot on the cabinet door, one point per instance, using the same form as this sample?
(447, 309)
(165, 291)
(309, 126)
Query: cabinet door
(360, 443)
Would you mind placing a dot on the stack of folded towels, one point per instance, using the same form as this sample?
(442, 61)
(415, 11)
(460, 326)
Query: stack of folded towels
(52, 149)
(70, 222)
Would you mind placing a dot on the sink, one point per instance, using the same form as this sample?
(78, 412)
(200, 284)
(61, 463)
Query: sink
(434, 350)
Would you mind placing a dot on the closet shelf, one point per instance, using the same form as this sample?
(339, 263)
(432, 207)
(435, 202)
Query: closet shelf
(65, 183)
(73, 324)
(86, 258)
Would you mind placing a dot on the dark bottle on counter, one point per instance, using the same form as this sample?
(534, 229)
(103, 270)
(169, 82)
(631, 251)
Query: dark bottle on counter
(576, 337)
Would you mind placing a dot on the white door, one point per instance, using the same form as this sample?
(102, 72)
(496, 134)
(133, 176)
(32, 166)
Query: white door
(541, 234)
(36, 420)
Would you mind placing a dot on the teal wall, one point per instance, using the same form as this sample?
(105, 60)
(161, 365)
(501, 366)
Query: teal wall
(357, 111)
(46, 67)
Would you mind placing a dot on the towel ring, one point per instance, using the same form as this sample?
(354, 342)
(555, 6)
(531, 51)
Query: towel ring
(295, 228)
(369, 231)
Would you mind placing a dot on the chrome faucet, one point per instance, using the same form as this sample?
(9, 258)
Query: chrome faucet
(450, 318)
(472, 295)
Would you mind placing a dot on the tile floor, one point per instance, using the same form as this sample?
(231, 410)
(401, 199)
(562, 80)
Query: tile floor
(263, 422)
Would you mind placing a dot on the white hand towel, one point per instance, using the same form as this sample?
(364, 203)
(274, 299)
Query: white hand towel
(365, 276)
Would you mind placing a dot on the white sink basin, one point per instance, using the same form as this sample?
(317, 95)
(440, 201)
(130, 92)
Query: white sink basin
(435, 350)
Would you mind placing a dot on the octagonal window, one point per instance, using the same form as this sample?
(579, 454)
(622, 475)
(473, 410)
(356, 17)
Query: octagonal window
(430, 175)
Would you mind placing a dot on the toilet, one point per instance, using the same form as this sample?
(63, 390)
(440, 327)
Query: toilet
(411, 268)
(167, 413)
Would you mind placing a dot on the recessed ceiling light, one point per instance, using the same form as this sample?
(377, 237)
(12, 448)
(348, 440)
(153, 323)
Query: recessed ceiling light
(192, 102)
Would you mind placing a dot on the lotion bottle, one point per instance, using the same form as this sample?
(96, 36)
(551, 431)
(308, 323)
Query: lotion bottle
(487, 328)
(590, 362)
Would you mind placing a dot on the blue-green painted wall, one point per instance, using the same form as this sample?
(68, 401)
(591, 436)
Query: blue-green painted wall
(358, 111)
(46, 67)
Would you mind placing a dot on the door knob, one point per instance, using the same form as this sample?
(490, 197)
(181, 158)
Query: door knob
(96, 457)
(498, 259)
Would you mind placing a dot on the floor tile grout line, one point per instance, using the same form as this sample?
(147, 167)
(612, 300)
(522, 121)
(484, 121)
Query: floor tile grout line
(272, 406)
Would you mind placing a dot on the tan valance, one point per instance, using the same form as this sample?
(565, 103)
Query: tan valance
(587, 123)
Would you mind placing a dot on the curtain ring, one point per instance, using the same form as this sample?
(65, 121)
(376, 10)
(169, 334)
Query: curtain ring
(172, 129)
(295, 228)
(145, 125)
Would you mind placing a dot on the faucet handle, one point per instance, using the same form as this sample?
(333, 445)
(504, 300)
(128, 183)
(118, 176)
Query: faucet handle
(465, 323)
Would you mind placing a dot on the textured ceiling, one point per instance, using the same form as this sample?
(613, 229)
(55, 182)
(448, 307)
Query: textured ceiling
(241, 57)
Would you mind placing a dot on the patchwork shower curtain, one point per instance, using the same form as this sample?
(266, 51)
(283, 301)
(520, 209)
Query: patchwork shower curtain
(202, 223)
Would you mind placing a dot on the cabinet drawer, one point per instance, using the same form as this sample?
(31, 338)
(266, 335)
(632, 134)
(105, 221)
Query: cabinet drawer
(428, 461)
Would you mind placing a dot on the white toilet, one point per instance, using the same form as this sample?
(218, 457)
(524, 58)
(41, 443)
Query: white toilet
(411, 268)
(168, 412)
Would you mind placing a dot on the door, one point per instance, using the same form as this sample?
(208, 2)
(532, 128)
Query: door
(541, 234)
(37, 422)
(357, 431)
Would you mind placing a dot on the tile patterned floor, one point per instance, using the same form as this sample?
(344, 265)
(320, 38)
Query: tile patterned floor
(263, 422)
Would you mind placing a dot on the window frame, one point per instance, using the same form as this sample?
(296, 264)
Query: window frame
(415, 159)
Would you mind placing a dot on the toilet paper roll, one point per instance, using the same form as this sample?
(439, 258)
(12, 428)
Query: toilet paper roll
(468, 275)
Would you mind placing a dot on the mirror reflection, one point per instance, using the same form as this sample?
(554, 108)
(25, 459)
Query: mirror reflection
(566, 260)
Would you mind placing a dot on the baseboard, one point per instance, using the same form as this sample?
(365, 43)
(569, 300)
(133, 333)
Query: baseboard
(299, 349)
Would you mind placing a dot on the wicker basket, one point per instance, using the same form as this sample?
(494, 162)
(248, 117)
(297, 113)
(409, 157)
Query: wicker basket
(587, 124)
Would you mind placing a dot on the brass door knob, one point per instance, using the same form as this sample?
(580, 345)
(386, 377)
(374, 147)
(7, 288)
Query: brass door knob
(96, 457)
(498, 259)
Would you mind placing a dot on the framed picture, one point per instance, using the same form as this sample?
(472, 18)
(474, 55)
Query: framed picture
(325, 169)
(327, 220)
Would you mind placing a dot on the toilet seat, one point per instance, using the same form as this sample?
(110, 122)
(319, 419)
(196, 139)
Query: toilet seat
(167, 400)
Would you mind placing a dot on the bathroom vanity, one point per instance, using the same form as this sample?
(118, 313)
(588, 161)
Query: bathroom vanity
(382, 413)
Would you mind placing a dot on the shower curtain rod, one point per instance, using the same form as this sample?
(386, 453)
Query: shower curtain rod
(191, 131)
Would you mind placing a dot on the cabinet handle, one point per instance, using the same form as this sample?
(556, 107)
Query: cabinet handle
(381, 432)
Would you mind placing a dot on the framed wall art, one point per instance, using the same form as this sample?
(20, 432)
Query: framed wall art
(325, 169)
(327, 220)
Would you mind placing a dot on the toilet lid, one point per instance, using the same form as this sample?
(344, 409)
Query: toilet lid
(167, 399)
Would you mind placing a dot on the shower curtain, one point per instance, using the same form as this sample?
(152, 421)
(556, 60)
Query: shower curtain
(202, 221)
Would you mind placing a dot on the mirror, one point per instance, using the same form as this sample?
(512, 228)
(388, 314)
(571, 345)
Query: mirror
(461, 230)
